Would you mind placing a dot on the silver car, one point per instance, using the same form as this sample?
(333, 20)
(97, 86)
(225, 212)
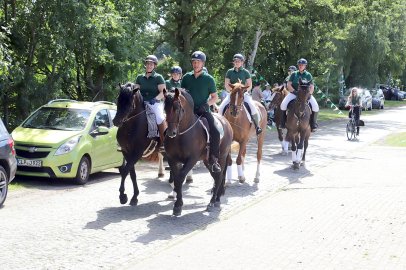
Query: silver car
(8, 162)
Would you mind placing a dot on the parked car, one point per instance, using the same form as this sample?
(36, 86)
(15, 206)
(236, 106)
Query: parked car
(68, 139)
(8, 162)
(378, 99)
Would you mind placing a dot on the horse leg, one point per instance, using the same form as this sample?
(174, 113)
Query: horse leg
(179, 177)
(294, 153)
(123, 172)
(173, 166)
(261, 138)
(229, 173)
(189, 177)
(306, 143)
(240, 161)
(161, 166)
(134, 199)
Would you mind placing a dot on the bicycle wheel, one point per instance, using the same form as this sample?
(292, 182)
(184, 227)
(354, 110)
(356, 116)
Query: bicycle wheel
(350, 131)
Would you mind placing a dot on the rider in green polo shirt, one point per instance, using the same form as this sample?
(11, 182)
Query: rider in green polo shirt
(175, 80)
(202, 87)
(293, 85)
(238, 72)
(151, 85)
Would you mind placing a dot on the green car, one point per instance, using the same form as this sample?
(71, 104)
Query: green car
(68, 139)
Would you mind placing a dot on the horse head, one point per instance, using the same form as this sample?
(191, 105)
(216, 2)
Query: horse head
(236, 97)
(178, 109)
(129, 100)
(279, 93)
(303, 91)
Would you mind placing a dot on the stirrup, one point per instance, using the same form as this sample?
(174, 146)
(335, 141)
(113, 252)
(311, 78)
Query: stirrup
(258, 130)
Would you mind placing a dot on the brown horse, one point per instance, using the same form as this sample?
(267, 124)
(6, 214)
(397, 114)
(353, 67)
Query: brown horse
(279, 93)
(186, 143)
(131, 121)
(298, 126)
(243, 129)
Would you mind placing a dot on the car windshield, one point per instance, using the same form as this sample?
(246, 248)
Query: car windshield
(58, 119)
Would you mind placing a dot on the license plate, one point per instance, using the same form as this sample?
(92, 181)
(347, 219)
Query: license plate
(29, 162)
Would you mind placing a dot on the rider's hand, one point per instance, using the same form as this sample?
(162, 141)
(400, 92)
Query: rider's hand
(153, 101)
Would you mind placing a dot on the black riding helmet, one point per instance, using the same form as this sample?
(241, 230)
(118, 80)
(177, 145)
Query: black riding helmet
(151, 58)
(176, 69)
(302, 61)
(198, 55)
(292, 68)
(239, 56)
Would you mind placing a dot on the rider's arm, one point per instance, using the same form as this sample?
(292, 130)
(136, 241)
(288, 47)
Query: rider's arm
(213, 99)
(290, 87)
(161, 88)
(248, 83)
(226, 86)
(311, 89)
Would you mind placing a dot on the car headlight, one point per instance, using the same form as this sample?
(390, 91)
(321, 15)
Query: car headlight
(68, 146)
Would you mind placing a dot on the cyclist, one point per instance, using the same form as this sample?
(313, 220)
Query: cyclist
(202, 87)
(175, 80)
(354, 102)
(292, 86)
(232, 76)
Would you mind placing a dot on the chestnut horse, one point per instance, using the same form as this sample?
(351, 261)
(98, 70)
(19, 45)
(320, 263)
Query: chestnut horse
(243, 129)
(298, 126)
(186, 143)
(279, 93)
(131, 121)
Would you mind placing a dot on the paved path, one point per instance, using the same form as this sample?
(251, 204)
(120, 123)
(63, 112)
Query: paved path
(344, 210)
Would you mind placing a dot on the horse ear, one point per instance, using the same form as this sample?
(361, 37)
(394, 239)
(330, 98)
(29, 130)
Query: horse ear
(177, 92)
(164, 92)
(231, 85)
(245, 87)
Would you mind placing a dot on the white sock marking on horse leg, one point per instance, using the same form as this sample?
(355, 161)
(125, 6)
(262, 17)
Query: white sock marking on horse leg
(240, 170)
(299, 155)
(229, 173)
(294, 157)
(258, 174)
(285, 146)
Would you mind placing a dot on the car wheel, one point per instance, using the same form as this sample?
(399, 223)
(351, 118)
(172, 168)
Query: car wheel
(3, 185)
(82, 175)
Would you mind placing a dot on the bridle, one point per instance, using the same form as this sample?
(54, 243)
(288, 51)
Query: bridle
(134, 106)
(179, 112)
(235, 107)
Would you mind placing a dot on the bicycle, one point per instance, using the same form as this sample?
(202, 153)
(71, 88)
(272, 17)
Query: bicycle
(352, 126)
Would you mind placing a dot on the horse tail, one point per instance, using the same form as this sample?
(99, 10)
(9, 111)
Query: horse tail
(153, 157)
(235, 147)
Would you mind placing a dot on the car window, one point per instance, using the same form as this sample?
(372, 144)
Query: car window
(3, 130)
(112, 113)
(58, 118)
(102, 119)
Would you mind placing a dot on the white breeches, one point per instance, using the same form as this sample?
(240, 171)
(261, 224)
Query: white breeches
(158, 109)
(247, 98)
(290, 96)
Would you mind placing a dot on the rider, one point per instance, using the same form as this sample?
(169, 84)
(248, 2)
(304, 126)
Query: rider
(354, 100)
(293, 85)
(175, 80)
(232, 76)
(202, 87)
(291, 69)
(151, 85)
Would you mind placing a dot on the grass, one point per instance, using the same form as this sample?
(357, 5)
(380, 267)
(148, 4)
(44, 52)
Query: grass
(326, 114)
(15, 186)
(397, 140)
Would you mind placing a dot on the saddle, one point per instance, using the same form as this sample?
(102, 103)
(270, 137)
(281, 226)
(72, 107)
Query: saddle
(206, 127)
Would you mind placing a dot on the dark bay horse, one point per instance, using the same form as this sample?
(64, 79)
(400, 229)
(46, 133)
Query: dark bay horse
(186, 143)
(131, 121)
(243, 130)
(279, 93)
(297, 124)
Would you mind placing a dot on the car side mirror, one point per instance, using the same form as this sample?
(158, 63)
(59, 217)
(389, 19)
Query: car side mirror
(101, 130)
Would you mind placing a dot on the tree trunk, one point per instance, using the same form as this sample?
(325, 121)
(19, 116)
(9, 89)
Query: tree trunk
(251, 58)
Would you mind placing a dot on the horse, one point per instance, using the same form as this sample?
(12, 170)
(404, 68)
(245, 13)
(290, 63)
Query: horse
(131, 120)
(279, 93)
(298, 125)
(243, 130)
(186, 143)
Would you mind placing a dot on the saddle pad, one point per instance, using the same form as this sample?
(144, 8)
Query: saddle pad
(151, 119)
(217, 124)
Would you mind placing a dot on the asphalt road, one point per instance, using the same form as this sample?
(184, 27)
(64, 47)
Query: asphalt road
(345, 209)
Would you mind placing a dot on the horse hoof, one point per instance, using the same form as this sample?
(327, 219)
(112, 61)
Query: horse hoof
(160, 175)
(284, 153)
(241, 179)
(177, 211)
(302, 164)
(295, 166)
(172, 196)
(123, 198)
(134, 202)
(189, 180)
(210, 207)
(256, 180)
(228, 182)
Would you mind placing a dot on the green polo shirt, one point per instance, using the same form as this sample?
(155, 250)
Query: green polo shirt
(171, 84)
(294, 78)
(199, 88)
(149, 86)
(241, 74)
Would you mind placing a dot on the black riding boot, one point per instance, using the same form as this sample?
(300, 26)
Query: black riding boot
(255, 120)
(313, 121)
(162, 128)
(357, 131)
(283, 119)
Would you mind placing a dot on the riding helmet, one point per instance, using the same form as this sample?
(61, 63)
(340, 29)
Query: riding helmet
(199, 55)
(238, 56)
(176, 69)
(151, 58)
(292, 68)
(302, 61)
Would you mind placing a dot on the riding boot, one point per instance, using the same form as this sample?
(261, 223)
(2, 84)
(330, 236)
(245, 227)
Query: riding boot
(255, 120)
(283, 119)
(162, 128)
(313, 121)
(357, 131)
